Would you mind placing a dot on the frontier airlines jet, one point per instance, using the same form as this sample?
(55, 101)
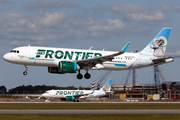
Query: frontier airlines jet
(74, 95)
(65, 60)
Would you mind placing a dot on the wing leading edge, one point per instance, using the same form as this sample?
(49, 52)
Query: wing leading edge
(91, 62)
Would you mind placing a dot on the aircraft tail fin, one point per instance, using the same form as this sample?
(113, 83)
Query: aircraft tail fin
(107, 86)
(157, 46)
(105, 89)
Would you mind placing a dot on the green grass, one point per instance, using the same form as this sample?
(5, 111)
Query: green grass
(89, 105)
(92, 117)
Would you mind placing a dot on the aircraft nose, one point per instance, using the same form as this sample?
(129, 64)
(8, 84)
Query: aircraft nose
(6, 57)
(44, 95)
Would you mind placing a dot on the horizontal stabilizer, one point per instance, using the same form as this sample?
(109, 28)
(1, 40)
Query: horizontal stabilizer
(163, 60)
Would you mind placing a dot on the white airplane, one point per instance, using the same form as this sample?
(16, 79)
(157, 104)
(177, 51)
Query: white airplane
(76, 94)
(63, 60)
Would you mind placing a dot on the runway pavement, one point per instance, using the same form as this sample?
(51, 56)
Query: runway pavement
(83, 111)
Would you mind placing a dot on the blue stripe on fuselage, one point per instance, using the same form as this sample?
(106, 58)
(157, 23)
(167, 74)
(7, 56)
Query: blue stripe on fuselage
(41, 59)
(116, 64)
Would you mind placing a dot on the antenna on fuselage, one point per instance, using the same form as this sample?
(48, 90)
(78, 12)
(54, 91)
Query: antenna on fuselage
(29, 45)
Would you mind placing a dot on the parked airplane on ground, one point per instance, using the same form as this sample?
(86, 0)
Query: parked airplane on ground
(76, 94)
(62, 60)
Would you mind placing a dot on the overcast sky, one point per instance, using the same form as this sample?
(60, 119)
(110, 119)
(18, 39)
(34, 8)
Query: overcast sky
(103, 24)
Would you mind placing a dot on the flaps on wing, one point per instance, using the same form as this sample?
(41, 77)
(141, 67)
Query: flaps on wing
(91, 62)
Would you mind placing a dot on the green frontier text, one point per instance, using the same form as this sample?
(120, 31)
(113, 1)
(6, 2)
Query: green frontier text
(66, 54)
(69, 92)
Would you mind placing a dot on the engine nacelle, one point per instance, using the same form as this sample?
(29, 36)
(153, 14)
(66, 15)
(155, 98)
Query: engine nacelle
(70, 98)
(64, 67)
(68, 67)
(54, 70)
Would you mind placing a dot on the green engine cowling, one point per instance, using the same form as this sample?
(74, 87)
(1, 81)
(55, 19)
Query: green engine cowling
(64, 67)
(68, 67)
(70, 98)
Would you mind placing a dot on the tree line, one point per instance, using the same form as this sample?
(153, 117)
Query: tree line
(38, 89)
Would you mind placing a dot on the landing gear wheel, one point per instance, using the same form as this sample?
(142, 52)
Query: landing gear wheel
(25, 73)
(87, 76)
(79, 76)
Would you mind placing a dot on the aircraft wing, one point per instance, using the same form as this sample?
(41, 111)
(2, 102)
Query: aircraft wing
(91, 62)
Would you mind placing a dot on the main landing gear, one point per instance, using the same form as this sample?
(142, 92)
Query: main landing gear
(76, 100)
(79, 76)
(25, 72)
(86, 76)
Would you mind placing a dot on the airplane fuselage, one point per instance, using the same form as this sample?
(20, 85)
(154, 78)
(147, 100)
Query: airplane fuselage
(76, 94)
(65, 93)
(50, 57)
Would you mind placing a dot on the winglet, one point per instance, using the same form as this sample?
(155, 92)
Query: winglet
(125, 47)
(93, 91)
(91, 48)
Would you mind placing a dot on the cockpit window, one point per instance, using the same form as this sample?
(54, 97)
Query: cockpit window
(14, 51)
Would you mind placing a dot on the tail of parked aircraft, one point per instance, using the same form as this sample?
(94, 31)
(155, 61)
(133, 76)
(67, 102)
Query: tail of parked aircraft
(107, 86)
(157, 46)
(105, 89)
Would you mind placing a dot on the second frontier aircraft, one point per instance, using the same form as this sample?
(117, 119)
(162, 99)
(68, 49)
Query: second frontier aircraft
(64, 60)
(74, 95)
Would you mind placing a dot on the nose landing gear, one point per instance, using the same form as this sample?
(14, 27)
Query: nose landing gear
(25, 72)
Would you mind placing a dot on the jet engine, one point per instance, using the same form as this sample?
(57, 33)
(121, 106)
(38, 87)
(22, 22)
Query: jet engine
(68, 67)
(54, 70)
(70, 98)
(64, 67)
